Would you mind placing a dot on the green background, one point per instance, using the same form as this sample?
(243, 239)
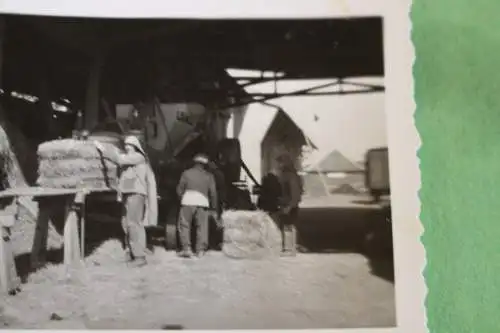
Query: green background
(457, 90)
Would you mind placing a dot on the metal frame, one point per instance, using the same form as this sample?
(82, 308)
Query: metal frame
(344, 88)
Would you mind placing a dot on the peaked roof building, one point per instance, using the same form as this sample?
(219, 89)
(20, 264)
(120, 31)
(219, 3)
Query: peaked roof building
(335, 161)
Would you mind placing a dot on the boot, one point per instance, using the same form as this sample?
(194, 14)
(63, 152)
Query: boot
(186, 253)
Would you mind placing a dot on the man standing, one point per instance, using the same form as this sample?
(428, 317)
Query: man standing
(137, 184)
(291, 185)
(198, 196)
(271, 193)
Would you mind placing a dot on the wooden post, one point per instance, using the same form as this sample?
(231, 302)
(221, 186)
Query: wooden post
(9, 278)
(3, 263)
(92, 97)
(73, 252)
(39, 248)
(45, 103)
(3, 253)
(81, 199)
(2, 37)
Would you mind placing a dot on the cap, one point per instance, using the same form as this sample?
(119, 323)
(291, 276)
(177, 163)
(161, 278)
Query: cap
(201, 158)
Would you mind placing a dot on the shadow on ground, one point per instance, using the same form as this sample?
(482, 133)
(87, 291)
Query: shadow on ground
(356, 229)
(322, 229)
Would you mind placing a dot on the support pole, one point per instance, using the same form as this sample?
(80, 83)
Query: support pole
(92, 98)
(73, 250)
(39, 248)
(4, 258)
(2, 37)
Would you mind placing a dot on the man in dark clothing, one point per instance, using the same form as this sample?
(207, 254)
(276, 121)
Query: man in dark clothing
(198, 196)
(291, 185)
(220, 185)
(281, 193)
(270, 193)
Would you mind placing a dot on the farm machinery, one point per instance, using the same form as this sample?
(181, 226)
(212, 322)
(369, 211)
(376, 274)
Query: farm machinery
(224, 153)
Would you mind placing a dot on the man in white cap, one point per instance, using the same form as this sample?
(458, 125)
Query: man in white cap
(198, 196)
(137, 184)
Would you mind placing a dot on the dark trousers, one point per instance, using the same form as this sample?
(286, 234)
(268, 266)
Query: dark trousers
(135, 233)
(288, 227)
(199, 216)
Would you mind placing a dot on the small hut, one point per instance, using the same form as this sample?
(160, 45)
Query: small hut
(283, 136)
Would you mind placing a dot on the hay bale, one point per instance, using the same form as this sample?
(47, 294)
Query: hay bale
(18, 154)
(71, 148)
(251, 235)
(70, 163)
(18, 165)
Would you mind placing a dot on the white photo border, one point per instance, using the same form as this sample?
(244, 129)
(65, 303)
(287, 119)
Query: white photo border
(403, 137)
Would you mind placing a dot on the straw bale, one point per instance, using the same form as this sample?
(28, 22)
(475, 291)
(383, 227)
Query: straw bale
(75, 182)
(71, 148)
(18, 164)
(250, 234)
(80, 168)
(18, 154)
(70, 163)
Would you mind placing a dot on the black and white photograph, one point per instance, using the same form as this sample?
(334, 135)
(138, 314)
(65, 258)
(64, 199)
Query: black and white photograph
(183, 173)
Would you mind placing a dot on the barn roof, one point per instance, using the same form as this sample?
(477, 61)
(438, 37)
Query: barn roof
(186, 52)
(282, 126)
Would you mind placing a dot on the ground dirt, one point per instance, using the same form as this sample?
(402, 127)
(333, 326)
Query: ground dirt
(328, 287)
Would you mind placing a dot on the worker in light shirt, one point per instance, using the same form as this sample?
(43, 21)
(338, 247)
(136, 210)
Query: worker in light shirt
(198, 197)
(137, 185)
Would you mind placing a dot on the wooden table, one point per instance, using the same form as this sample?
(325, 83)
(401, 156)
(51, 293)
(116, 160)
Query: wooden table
(50, 200)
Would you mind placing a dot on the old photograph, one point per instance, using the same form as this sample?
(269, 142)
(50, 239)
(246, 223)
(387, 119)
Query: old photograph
(181, 173)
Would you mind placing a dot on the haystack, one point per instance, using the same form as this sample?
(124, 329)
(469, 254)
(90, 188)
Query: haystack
(18, 165)
(70, 163)
(250, 235)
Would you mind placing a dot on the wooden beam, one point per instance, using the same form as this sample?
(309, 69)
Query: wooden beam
(93, 88)
(39, 248)
(2, 36)
(71, 243)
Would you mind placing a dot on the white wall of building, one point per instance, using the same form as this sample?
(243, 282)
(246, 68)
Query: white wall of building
(350, 123)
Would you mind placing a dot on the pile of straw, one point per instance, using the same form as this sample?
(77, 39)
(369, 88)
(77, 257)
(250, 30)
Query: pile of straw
(18, 169)
(251, 235)
(72, 163)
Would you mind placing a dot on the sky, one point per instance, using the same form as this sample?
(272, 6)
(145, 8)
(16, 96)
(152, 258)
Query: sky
(350, 123)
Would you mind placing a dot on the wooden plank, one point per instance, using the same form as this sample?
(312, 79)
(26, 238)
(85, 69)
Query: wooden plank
(46, 192)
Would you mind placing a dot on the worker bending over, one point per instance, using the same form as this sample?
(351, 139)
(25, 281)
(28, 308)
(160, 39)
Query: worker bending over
(137, 185)
(198, 197)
